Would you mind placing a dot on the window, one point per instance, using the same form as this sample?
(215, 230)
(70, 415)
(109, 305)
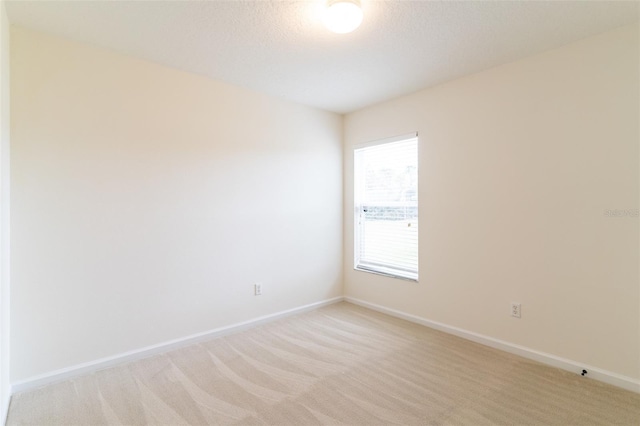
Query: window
(386, 207)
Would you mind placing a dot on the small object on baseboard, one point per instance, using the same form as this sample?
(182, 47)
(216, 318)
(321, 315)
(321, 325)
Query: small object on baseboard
(584, 373)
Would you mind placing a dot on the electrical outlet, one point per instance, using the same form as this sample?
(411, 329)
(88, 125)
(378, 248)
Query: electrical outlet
(516, 310)
(257, 289)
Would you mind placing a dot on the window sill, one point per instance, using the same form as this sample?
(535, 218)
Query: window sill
(389, 274)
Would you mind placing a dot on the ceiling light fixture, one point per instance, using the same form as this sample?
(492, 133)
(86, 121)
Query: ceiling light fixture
(342, 16)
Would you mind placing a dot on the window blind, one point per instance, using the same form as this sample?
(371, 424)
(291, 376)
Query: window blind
(386, 208)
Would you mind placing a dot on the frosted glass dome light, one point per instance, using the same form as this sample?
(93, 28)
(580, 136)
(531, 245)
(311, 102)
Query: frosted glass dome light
(342, 16)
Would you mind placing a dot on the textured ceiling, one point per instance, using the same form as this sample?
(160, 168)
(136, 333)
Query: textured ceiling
(281, 47)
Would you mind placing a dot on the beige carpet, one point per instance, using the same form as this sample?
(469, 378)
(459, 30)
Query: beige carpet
(341, 364)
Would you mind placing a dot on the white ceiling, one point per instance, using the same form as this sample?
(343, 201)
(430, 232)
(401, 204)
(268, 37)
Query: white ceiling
(281, 47)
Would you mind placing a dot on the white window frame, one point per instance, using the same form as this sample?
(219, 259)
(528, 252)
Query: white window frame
(378, 269)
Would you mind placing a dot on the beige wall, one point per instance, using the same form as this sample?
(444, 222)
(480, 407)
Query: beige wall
(147, 201)
(4, 212)
(517, 167)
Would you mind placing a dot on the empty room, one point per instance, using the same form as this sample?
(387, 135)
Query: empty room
(319, 212)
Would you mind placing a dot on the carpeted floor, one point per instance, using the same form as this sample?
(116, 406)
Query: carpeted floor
(340, 364)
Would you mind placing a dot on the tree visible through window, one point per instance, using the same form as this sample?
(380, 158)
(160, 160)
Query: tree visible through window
(386, 207)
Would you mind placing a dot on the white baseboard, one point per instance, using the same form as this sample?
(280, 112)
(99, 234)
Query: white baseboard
(595, 373)
(100, 364)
